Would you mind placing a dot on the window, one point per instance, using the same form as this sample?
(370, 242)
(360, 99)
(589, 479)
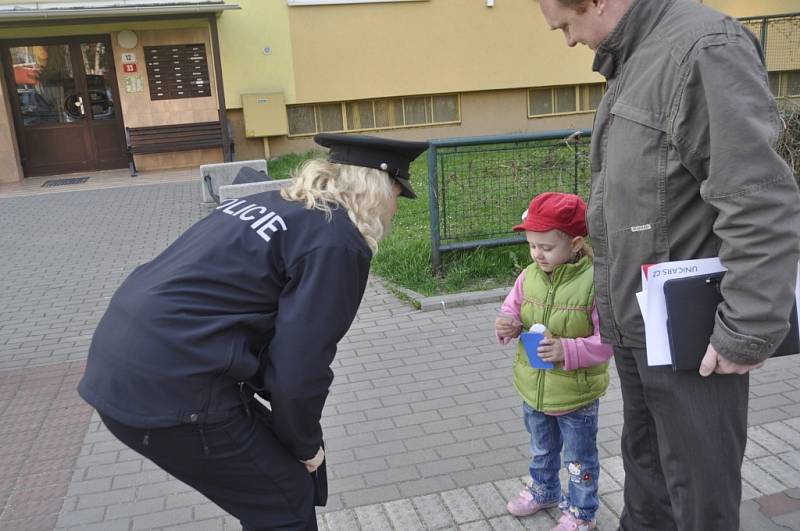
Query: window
(417, 110)
(385, 113)
(360, 115)
(445, 108)
(785, 84)
(563, 100)
(329, 116)
(775, 83)
(389, 113)
(541, 102)
(793, 83)
(301, 120)
(591, 96)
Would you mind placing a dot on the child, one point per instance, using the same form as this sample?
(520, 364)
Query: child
(560, 404)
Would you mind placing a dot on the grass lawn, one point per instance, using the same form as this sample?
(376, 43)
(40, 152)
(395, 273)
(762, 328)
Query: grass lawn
(282, 167)
(404, 257)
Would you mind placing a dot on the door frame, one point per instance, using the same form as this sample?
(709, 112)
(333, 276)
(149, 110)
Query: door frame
(81, 85)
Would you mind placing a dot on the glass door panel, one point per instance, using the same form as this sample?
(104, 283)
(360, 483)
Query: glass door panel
(45, 85)
(99, 79)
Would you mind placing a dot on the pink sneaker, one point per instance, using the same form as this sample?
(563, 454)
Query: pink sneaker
(523, 504)
(568, 522)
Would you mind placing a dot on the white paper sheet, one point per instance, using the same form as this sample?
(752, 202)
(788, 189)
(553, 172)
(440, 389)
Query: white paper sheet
(656, 336)
(641, 298)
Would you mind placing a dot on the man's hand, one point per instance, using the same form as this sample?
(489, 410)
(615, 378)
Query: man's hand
(713, 362)
(313, 463)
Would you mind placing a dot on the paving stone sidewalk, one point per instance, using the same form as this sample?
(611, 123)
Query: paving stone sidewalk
(423, 428)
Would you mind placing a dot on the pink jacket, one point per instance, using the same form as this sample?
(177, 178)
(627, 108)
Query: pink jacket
(578, 352)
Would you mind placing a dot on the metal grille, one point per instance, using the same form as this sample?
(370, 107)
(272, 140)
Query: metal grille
(62, 182)
(480, 187)
(780, 38)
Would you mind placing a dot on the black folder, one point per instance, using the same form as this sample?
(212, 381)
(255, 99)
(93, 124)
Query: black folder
(691, 309)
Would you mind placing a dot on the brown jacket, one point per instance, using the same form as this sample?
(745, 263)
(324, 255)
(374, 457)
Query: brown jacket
(684, 166)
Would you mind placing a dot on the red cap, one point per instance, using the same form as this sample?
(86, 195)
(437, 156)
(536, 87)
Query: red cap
(554, 210)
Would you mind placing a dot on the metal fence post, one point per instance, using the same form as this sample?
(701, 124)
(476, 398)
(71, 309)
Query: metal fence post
(433, 207)
(575, 176)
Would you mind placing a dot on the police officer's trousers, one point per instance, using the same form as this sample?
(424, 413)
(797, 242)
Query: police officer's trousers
(239, 464)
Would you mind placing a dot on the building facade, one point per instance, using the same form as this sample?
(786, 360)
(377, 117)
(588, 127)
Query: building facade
(75, 75)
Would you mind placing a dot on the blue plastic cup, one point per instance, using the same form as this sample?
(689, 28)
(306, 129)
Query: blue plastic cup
(530, 340)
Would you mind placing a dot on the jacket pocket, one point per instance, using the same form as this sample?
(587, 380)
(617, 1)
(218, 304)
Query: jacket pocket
(635, 181)
(634, 208)
(242, 362)
(645, 117)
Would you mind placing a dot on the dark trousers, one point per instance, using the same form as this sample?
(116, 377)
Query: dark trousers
(683, 442)
(239, 464)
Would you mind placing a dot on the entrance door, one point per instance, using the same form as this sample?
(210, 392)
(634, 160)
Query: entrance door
(64, 99)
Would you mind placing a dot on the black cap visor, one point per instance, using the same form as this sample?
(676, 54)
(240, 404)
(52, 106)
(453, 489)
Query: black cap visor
(406, 191)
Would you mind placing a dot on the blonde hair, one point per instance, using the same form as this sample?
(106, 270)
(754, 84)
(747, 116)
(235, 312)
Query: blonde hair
(585, 249)
(365, 194)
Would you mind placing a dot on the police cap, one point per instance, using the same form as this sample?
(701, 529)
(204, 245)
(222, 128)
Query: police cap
(391, 156)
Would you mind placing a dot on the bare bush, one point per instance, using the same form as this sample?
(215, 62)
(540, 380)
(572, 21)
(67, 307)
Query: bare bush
(789, 140)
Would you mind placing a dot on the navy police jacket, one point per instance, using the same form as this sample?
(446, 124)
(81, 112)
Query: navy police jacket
(260, 290)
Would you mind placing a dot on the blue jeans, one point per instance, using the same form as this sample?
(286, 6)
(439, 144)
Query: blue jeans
(576, 432)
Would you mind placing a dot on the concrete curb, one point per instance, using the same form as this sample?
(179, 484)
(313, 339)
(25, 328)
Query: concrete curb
(452, 300)
(237, 191)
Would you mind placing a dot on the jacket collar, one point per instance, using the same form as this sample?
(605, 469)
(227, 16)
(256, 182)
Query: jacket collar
(568, 270)
(633, 28)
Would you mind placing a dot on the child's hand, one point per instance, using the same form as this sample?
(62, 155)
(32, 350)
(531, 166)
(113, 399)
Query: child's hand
(551, 350)
(507, 326)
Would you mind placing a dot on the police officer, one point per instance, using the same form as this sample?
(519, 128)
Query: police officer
(251, 299)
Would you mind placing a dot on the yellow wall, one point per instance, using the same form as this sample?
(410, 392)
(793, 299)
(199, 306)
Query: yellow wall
(356, 51)
(346, 52)
(243, 36)
(482, 113)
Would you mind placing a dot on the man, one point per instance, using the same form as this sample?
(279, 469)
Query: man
(684, 166)
(252, 298)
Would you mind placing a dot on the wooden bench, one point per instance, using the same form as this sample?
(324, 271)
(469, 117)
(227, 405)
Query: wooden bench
(176, 137)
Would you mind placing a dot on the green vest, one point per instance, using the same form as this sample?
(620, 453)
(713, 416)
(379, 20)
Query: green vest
(563, 304)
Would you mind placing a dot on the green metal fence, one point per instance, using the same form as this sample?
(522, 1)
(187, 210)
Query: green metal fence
(479, 187)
